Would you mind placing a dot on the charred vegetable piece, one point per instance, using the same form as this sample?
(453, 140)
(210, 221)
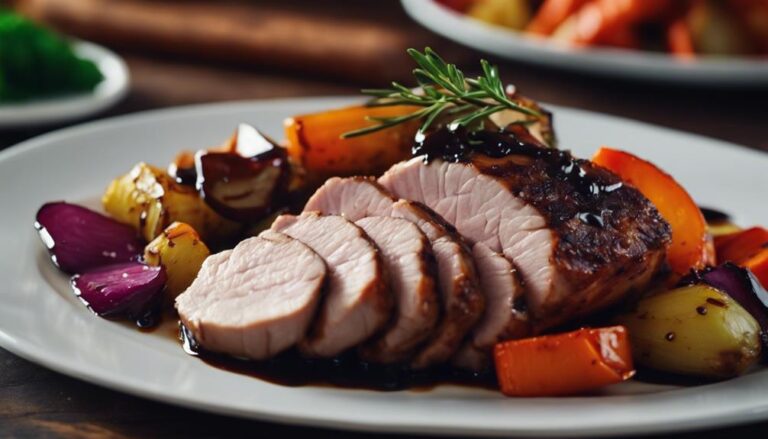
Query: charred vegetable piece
(130, 289)
(243, 189)
(564, 364)
(314, 142)
(691, 246)
(693, 330)
(181, 252)
(149, 199)
(80, 239)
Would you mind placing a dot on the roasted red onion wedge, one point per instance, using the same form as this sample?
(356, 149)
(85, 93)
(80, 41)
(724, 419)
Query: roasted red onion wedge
(129, 289)
(80, 239)
(742, 286)
(242, 189)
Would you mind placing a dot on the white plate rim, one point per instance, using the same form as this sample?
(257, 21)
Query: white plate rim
(102, 378)
(45, 111)
(631, 64)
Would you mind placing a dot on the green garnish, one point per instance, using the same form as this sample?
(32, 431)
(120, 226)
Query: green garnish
(36, 62)
(444, 91)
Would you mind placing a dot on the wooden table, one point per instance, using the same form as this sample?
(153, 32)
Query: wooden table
(35, 402)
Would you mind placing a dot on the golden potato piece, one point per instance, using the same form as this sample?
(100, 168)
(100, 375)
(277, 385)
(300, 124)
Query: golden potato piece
(181, 252)
(148, 199)
(694, 330)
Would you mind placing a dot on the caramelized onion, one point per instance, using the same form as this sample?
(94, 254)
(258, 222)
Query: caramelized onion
(129, 289)
(80, 239)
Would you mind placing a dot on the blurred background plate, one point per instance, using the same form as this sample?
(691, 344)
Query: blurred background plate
(46, 111)
(634, 64)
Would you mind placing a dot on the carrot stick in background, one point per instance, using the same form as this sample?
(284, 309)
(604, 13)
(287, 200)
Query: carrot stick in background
(680, 40)
(597, 20)
(552, 14)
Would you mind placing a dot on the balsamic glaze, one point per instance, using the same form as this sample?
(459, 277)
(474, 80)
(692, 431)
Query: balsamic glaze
(346, 371)
(461, 145)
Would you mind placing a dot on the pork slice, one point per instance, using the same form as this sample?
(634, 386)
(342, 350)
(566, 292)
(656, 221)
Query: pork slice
(256, 300)
(580, 238)
(358, 301)
(408, 257)
(462, 301)
(505, 316)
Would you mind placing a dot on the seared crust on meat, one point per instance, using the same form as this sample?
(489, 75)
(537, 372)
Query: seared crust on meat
(603, 227)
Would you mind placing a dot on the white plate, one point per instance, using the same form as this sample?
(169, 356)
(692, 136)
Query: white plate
(603, 61)
(46, 111)
(41, 320)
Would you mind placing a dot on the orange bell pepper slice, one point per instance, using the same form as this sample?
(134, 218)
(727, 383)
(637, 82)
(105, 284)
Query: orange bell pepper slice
(691, 242)
(564, 364)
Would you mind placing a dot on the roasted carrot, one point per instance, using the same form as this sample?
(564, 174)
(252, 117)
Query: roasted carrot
(597, 20)
(758, 264)
(740, 246)
(564, 364)
(680, 40)
(691, 242)
(551, 14)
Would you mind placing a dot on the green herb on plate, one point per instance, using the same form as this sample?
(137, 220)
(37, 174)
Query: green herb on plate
(444, 91)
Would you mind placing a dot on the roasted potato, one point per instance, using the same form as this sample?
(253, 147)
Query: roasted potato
(314, 142)
(181, 252)
(694, 330)
(148, 199)
(514, 14)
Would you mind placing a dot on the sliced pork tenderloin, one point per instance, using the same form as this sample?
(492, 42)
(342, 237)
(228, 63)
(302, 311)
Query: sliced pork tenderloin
(581, 239)
(358, 302)
(505, 317)
(256, 300)
(461, 298)
(408, 257)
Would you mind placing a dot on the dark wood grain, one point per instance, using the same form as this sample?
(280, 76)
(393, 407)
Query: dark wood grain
(35, 402)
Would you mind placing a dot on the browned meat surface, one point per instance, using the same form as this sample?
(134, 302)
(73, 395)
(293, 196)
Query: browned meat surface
(256, 300)
(358, 302)
(458, 284)
(580, 238)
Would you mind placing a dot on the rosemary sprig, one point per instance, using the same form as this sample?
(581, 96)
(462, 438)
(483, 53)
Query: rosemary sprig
(443, 91)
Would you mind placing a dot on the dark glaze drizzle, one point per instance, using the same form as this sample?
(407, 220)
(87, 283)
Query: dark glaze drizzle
(461, 145)
(345, 371)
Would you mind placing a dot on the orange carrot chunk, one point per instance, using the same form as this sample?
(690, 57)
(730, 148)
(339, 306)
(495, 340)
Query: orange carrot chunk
(680, 40)
(691, 242)
(597, 20)
(739, 246)
(564, 364)
(552, 14)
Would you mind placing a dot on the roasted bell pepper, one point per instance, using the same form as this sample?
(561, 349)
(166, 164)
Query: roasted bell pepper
(564, 364)
(691, 242)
